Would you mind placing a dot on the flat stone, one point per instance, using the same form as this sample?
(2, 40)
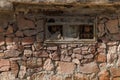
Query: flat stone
(52, 48)
(77, 50)
(116, 78)
(12, 53)
(48, 65)
(65, 68)
(112, 49)
(55, 77)
(28, 40)
(4, 64)
(29, 32)
(41, 54)
(79, 56)
(115, 72)
(89, 56)
(93, 68)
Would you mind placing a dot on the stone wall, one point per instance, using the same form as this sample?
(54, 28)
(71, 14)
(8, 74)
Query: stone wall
(24, 56)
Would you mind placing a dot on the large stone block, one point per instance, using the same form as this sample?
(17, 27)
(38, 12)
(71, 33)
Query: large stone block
(104, 75)
(65, 68)
(93, 68)
(112, 26)
(4, 64)
(24, 24)
(115, 72)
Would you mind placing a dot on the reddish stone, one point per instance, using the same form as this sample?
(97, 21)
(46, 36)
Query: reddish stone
(89, 56)
(79, 76)
(19, 34)
(28, 40)
(104, 75)
(9, 40)
(55, 77)
(65, 68)
(24, 24)
(2, 42)
(116, 78)
(112, 26)
(77, 50)
(1, 29)
(14, 68)
(93, 68)
(9, 30)
(101, 57)
(41, 54)
(55, 56)
(115, 72)
(32, 62)
(4, 64)
(12, 53)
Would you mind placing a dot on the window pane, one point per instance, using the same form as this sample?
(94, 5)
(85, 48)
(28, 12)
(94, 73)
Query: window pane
(86, 32)
(71, 32)
(54, 32)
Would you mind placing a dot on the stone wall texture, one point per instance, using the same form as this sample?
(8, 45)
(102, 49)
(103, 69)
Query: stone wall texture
(24, 56)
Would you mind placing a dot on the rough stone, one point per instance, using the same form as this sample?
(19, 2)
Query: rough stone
(79, 76)
(48, 65)
(112, 49)
(28, 40)
(93, 68)
(9, 40)
(38, 46)
(40, 37)
(101, 57)
(12, 46)
(65, 58)
(65, 68)
(41, 54)
(52, 48)
(9, 30)
(38, 76)
(104, 75)
(24, 24)
(78, 56)
(77, 50)
(117, 78)
(89, 56)
(2, 42)
(12, 53)
(19, 34)
(32, 62)
(22, 72)
(29, 32)
(115, 72)
(112, 26)
(76, 61)
(14, 68)
(55, 77)
(4, 64)
(27, 53)
(7, 76)
(55, 56)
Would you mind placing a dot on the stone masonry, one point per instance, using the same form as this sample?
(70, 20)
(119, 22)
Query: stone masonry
(25, 56)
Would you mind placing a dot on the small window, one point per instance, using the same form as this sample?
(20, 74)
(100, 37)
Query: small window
(69, 29)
